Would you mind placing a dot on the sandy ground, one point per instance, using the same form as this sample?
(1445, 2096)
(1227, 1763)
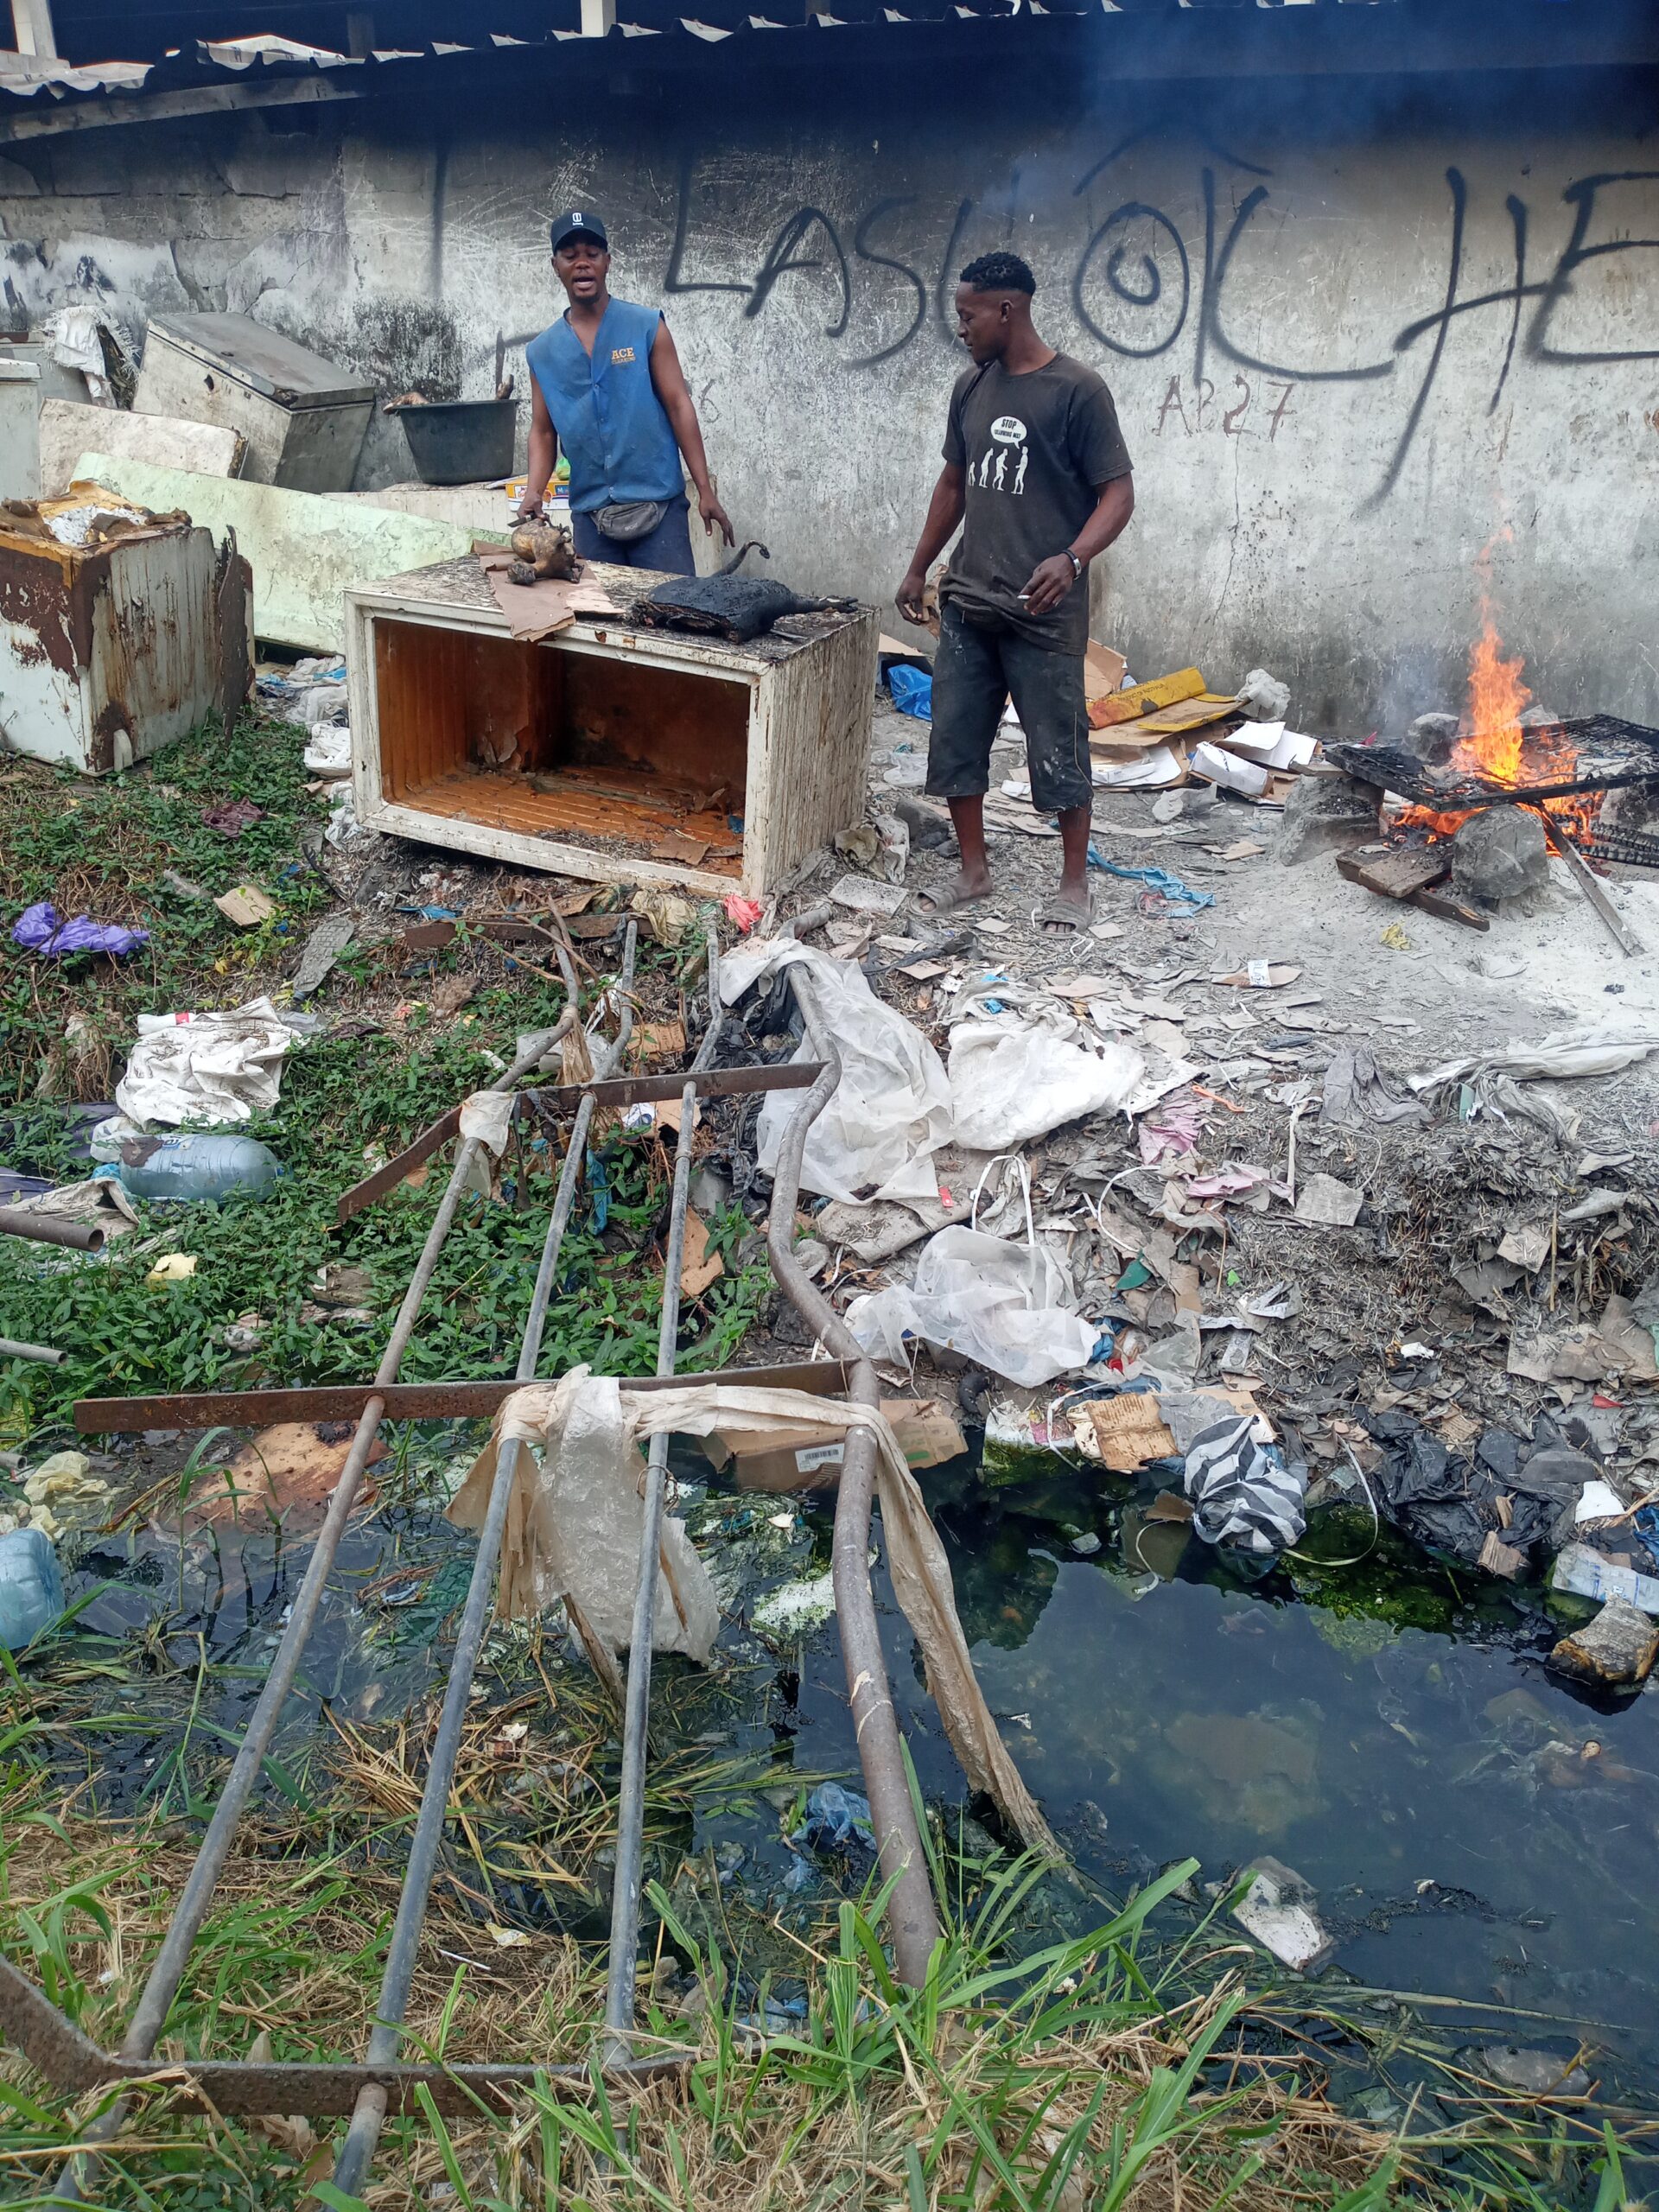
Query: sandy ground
(1547, 963)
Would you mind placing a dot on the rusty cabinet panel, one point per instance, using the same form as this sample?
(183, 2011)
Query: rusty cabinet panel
(108, 652)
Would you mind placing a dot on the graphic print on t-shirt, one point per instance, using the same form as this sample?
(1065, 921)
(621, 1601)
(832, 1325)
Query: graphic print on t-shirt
(1007, 430)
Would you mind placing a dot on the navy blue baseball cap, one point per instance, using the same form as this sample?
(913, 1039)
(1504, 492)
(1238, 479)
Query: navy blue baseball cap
(576, 222)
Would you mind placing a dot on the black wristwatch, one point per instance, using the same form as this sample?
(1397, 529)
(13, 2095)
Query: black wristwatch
(1077, 565)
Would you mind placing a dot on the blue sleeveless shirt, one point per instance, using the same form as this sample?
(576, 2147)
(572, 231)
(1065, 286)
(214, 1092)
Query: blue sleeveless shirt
(614, 428)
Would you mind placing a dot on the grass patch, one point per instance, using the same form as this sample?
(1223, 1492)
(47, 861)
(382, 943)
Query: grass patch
(102, 846)
(345, 1102)
(1104, 2071)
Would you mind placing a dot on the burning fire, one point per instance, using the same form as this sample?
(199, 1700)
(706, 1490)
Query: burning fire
(1496, 746)
(1497, 696)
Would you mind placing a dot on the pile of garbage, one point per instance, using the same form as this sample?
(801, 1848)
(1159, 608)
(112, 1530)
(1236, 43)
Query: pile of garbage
(1154, 1225)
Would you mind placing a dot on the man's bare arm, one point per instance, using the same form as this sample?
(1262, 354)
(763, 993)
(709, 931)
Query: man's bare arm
(543, 453)
(945, 512)
(1050, 580)
(668, 379)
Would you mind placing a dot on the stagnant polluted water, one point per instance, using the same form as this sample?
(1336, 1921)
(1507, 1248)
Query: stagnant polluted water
(1475, 1829)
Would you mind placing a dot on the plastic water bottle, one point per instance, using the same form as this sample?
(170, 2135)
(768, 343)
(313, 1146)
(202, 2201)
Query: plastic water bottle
(203, 1167)
(31, 1587)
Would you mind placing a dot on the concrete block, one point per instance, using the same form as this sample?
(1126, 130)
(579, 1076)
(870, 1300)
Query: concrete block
(1327, 814)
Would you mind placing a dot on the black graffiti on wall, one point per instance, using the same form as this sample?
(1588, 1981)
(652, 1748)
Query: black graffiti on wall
(1140, 289)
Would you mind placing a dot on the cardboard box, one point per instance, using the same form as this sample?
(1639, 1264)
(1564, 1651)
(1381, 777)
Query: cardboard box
(809, 1458)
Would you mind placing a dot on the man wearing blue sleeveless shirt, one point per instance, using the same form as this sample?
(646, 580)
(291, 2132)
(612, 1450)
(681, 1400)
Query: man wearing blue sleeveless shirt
(606, 381)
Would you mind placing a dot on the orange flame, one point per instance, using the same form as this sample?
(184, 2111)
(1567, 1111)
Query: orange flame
(1496, 695)
(1493, 739)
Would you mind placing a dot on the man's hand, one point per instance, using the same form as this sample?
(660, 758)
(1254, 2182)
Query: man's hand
(528, 510)
(1048, 583)
(715, 517)
(908, 597)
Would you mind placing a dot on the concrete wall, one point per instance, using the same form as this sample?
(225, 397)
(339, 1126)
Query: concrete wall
(1356, 345)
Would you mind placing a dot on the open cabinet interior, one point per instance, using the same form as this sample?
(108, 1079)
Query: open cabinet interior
(545, 742)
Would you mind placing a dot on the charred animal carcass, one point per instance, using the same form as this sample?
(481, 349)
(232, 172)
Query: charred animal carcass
(728, 606)
(544, 549)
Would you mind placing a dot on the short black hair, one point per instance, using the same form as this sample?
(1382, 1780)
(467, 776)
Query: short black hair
(999, 272)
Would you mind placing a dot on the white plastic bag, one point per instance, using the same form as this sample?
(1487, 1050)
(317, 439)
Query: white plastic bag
(1008, 1085)
(892, 1108)
(205, 1067)
(1005, 1306)
(574, 1521)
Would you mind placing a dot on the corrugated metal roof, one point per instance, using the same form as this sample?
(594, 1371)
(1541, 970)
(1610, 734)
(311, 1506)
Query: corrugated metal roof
(209, 75)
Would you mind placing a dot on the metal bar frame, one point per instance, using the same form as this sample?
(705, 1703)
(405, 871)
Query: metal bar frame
(382, 2084)
(403, 1400)
(166, 1971)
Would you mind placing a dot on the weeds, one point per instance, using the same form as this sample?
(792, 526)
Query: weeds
(346, 1103)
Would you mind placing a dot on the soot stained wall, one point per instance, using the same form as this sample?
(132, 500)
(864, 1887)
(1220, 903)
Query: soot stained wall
(1377, 355)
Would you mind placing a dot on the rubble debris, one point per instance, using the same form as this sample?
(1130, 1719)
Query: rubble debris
(1614, 1651)
(1327, 814)
(1277, 1910)
(1432, 739)
(1500, 853)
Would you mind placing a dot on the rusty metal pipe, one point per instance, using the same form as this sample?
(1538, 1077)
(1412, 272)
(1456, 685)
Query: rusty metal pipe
(623, 1965)
(47, 1228)
(369, 2110)
(911, 1915)
(167, 1972)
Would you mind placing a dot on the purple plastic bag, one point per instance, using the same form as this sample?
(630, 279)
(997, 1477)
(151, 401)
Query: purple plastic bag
(39, 930)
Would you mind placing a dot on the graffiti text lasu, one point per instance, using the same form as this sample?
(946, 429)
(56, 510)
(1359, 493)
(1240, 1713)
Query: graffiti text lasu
(1136, 291)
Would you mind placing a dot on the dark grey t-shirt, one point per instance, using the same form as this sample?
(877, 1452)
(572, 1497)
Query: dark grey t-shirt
(1034, 448)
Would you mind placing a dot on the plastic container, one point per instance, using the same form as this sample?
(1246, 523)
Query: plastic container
(198, 1167)
(31, 1587)
(462, 440)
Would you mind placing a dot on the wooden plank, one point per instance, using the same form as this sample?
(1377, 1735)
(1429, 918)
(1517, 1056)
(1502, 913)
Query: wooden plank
(1396, 874)
(1450, 908)
(809, 752)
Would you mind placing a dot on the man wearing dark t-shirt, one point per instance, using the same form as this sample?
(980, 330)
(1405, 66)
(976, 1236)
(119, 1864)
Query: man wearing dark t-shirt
(1037, 473)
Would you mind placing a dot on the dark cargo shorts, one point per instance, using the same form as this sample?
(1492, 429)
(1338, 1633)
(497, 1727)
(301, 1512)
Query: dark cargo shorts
(974, 672)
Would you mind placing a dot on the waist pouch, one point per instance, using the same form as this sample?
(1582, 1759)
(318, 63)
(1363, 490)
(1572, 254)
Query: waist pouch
(633, 519)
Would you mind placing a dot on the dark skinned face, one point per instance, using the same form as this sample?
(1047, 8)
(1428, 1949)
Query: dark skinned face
(983, 322)
(581, 266)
